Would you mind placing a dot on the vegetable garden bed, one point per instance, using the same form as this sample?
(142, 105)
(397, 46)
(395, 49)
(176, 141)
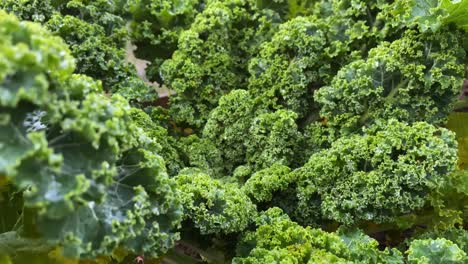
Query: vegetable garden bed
(286, 131)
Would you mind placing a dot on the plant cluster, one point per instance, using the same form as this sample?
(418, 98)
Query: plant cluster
(298, 131)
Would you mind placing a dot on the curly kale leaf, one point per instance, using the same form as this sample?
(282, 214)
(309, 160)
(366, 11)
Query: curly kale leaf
(448, 203)
(415, 78)
(281, 240)
(202, 154)
(166, 143)
(228, 126)
(90, 178)
(288, 9)
(31, 10)
(101, 58)
(96, 34)
(247, 134)
(273, 138)
(213, 206)
(106, 13)
(30, 56)
(291, 64)
(389, 171)
(437, 250)
(430, 15)
(157, 24)
(458, 236)
(121, 188)
(264, 183)
(212, 57)
(91, 169)
(306, 52)
(178, 153)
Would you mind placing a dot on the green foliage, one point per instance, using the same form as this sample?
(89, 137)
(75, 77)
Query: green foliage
(228, 126)
(435, 251)
(167, 145)
(387, 172)
(96, 35)
(90, 178)
(288, 8)
(273, 138)
(32, 10)
(306, 52)
(431, 15)
(213, 206)
(415, 78)
(264, 183)
(458, 236)
(157, 24)
(101, 12)
(212, 57)
(293, 131)
(246, 134)
(290, 66)
(99, 57)
(203, 154)
(449, 201)
(284, 241)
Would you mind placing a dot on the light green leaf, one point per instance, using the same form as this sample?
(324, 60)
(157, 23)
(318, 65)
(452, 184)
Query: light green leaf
(435, 251)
